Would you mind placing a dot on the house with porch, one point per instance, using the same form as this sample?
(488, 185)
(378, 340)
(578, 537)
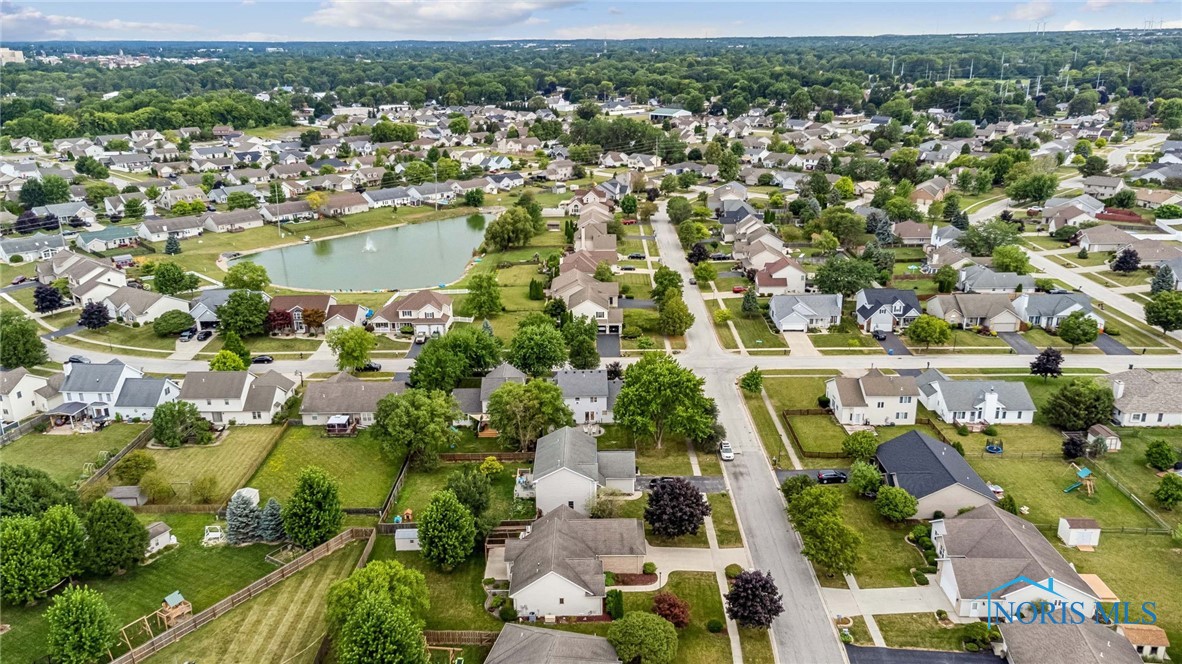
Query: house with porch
(975, 403)
(159, 230)
(109, 238)
(1048, 310)
(296, 305)
(345, 394)
(885, 309)
(994, 311)
(804, 312)
(136, 305)
(873, 399)
(94, 388)
(569, 470)
(589, 394)
(204, 305)
(36, 247)
(426, 311)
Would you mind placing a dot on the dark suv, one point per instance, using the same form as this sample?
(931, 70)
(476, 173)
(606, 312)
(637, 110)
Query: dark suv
(832, 477)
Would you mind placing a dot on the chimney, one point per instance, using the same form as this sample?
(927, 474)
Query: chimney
(1118, 389)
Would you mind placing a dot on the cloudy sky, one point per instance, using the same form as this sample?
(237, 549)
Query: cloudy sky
(343, 20)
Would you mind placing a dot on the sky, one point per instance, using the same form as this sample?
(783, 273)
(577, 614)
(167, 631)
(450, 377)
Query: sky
(465, 20)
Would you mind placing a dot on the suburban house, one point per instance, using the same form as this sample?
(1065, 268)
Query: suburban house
(117, 205)
(19, 398)
(287, 211)
(1102, 186)
(589, 394)
(474, 400)
(1153, 252)
(1103, 238)
(90, 280)
(525, 644)
(426, 311)
(991, 559)
(913, 233)
(975, 402)
(560, 170)
(874, 399)
(569, 470)
(1088, 642)
(204, 305)
(934, 473)
(171, 197)
(136, 305)
(36, 247)
(982, 279)
(344, 315)
(886, 309)
(111, 237)
(782, 276)
(994, 311)
(159, 230)
(236, 397)
(1047, 310)
(345, 394)
(347, 202)
(67, 212)
(296, 305)
(1146, 398)
(140, 396)
(801, 313)
(95, 388)
(930, 191)
(232, 221)
(1150, 642)
(1059, 212)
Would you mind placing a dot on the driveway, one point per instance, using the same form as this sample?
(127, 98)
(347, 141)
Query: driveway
(632, 303)
(784, 473)
(894, 345)
(414, 351)
(608, 345)
(865, 655)
(704, 483)
(1018, 342)
(1111, 346)
(28, 284)
(69, 329)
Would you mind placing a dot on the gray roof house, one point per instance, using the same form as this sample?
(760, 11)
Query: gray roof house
(474, 401)
(589, 394)
(1146, 398)
(800, 313)
(569, 470)
(204, 306)
(886, 308)
(1086, 643)
(1048, 310)
(344, 394)
(524, 644)
(140, 396)
(975, 403)
(557, 568)
(36, 247)
(935, 473)
(981, 279)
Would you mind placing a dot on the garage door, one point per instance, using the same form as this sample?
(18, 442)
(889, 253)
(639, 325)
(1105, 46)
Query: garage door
(787, 326)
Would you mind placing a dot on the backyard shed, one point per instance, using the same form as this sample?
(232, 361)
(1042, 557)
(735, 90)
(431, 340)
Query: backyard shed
(1082, 533)
(159, 536)
(406, 539)
(252, 494)
(1099, 432)
(128, 495)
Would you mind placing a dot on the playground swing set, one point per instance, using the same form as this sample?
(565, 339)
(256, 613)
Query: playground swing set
(1084, 478)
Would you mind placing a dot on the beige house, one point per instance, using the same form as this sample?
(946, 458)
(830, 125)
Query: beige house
(236, 397)
(873, 399)
(345, 394)
(970, 310)
(426, 311)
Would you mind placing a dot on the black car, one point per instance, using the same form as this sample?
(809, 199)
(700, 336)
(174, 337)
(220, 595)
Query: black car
(371, 366)
(627, 268)
(720, 257)
(880, 335)
(636, 257)
(78, 359)
(203, 335)
(657, 481)
(262, 359)
(832, 477)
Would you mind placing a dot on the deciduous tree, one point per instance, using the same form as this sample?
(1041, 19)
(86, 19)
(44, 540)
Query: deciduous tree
(928, 330)
(352, 346)
(115, 539)
(1160, 454)
(675, 317)
(94, 316)
(27, 569)
(675, 508)
(753, 600)
(523, 413)
(860, 446)
(47, 299)
(672, 608)
(865, 478)
(537, 349)
(659, 396)
(1168, 493)
(404, 586)
(447, 531)
(752, 381)
(417, 423)
(484, 296)
(243, 314)
(378, 630)
(845, 275)
(1011, 258)
(82, 628)
(313, 513)
(1165, 311)
(1126, 261)
(226, 361)
(895, 504)
(643, 637)
(170, 279)
(1048, 364)
(248, 275)
(1078, 328)
(1078, 405)
(22, 345)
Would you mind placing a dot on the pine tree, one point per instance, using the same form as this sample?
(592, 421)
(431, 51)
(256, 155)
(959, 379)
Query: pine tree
(172, 245)
(487, 327)
(271, 522)
(242, 520)
(750, 306)
(1162, 281)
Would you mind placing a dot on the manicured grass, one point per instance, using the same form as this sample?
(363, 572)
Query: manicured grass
(284, 624)
(1044, 242)
(962, 339)
(1041, 338)
(1129, 468)
(844, 340)
(420, 485)
(640, 286)
(203, 575)
(726, 525)
(671, 459)
(365, 474)
(230, 461)
(792, 393)
(125, 335)
(1139, 568)
(722, 330)
(725, 284)
(63, 456)
(457, 597)
(886, 559)
(1039, 485)
(695, 645)
(634, 509)
(1134, 333)
(1136, 278)
(709, 464)
(773, 444)
(1093, 259)
(919, 630)
(754, 330)
(817, 433)
(756, 645)
(268, 344)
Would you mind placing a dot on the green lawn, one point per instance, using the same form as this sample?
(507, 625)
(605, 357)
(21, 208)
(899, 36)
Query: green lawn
(125, 335)
(365, 474)
(754, 330)
(963, 339)
(268, 344)
(726, 525)
(671, 459)
(695, 645)
(1134, 333)
(1093, 259)
(230, 461)
(639, 285)
(725, 336)
(457, 597)
(64, 456)
(919, 630)
(773, 444)
(756, 645)
(634, 509)
(1042, 339)
(816, 433)
(1129, 468)
(203, 575)
(284, 624)
(794, 392)
(886, 559)
(1044, 242)
(1138, 278)
(844, 340)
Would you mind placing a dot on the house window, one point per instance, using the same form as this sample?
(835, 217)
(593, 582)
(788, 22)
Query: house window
(570, 504)
(226, 402)
(562, 600)
(904, 399)
(900, 416)
(406, 313)
(596, 400)
(18, 394)
(881, 404)
(601, 314)
(1138, 417)
(428, 314)
(208, 402)
(256, 415)
(1159, 415)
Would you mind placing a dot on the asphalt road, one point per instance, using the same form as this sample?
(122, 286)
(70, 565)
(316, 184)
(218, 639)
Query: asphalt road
(864, 655)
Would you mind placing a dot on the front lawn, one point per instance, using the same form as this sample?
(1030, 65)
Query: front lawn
(962, 339)
(695, 645)
(1042, 339)
(919, 630)
(230, 461)
(124, 335)
(754, 330)
(267, 344)
(671, 459)
(640, 286)
(844, 340)
(794, 392)
(63, 457)
(634, 509)
(816, 433)
(886, 558)
(726, 525)
(722, 330)
(1136, 278)
(365, 474)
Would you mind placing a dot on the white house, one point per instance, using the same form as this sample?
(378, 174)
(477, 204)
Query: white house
(874, 398)
(96, 387)
(159, 230)
(589, 394)
(139, 397)
(36, 247)
(426, 311)
(1146, 398)
(18, 394)
(1102, 186)
(886, 309)
(1048, 310)
(135, 305)
(782, 276)
(1079, 532)
(973, 402)
(236, 397)
(569, 470)
(345, 394)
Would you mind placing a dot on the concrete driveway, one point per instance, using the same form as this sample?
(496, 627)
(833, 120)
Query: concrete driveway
(608, 345)
(865, 655)
(800, 345)
(1018, 342)
(894, 345)
(704, 483)
(1111, 346)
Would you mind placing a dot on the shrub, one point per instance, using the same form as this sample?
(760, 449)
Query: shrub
(1111, 330)
(714, 625)
(919, 531)
(615, 604)
(609, 579)
(205, 489)
(929, 569)
(938, 514)
(920, 578)
(650, 568)
(962, 430)
(16, 259)
(990, 430)
(733, 570)
(823, 401)
(672, 608)
(156, 487)
(132, 467)
(941, 614)
(507, 614)
(972, 647)
(498, 601)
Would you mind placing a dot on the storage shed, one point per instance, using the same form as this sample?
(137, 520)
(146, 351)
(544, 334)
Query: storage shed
(406, 539)
(1099, 432)
(159, 536)
(1081, 533)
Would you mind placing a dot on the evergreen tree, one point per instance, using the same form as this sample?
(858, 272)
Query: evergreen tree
(172, 246)
(115, 539)
(1162, 281)
(313, 514)
(271, 522)
(242, 520)
(750, 306)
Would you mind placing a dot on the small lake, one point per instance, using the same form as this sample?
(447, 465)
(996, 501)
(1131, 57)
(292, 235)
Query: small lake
(415, 256)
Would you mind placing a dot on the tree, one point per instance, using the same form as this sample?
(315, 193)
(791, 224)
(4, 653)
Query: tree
(378, 630)
(581, 335)
(753, 600)
(248, 275)
(115, 539)
(22, 346)
(749, 307)
(1011, 258)
(244, 314)
(691, 232)
(82, 628)
(672, 608)
(417, 423)
(1078, 328)
(537, 349)
(1126, 261)
(678, 209)
(447, 531)
(675, 508)
(132, 467)
(645, 211)
(1165, 311)
(484, 296)
(172, 246)
(865, 478)
(62, 530)
(1078, 405)
(314, 319)
(242, 520)
(172, 322)
(831, 544)
(474, 198)
(134, 209)
(1093, 165)
(643, 638)
(860, 446)
(1048, 364)
(95, 316)
(928, 330)
(1160, 454)
(659, 396)
(472, 488)
(318, 199)
(895, 504)
(48, 190)
(752, 381)
(1163, 280)
(704, 272)
(403, 586)
(982, 239)
(241, 200)
(313, 513)
(665, 281)
(523, 413)
(170, 279)
(675, 317)
(513, 228)
(26, 491)
(1169, 491)
(226, 361)
(47, 299)
(232, 343)
(351, 345)
(844, 275)
(27, 569)
(271, 522)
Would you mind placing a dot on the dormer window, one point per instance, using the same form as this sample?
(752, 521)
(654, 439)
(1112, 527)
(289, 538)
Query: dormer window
(406, 313)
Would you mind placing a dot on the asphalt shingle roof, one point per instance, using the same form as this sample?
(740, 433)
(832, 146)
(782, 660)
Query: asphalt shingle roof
(923, 465)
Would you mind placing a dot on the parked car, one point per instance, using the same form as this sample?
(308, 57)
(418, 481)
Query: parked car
(693, 282)
(421, 338)
(203, 335)
(371, 366)
(656, 481)
(739, 289)
(1059, 291)
(627, 268)
(832, 477)
(262, 359)
(880, 335)
(726, 452)
(720, 256)
(187, 335)
(19, 279)
(628, 222)
(78, 359)
(636, 256)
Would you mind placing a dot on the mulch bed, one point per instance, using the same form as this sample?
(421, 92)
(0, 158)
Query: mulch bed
(635, 579)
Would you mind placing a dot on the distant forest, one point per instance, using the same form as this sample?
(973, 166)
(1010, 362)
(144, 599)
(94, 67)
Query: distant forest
(718, 76)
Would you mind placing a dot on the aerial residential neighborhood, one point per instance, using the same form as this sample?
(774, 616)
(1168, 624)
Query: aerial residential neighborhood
(558, 332)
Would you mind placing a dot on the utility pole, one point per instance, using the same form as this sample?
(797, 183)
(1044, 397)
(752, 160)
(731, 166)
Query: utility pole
(971, 63)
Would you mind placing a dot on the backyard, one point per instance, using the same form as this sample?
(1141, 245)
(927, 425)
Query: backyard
(64, 456)
(420, 485)
(671, 459)
(231, 461)
(365, 474)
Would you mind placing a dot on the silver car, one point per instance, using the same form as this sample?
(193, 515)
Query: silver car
(726, 452)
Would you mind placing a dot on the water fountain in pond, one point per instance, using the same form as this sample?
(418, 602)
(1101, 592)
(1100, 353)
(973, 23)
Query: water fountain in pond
(369, 247)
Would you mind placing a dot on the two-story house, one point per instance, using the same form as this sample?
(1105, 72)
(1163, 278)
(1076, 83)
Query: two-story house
(425, 311)
(96, 387)
(19, 397)
(589, 394)
(296, 305)
(885, 309)
(236, 397)
(874, 399)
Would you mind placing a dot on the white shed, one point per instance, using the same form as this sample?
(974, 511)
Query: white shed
(252, 494)
(159, 536)
(406, 539)
(1099, 432)
(1079, 532)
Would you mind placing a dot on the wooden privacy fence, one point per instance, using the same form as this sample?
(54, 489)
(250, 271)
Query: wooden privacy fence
(199, 620)
(393, 495)
(481, 456)
(13, 432)
(139, 441)
(459, 637)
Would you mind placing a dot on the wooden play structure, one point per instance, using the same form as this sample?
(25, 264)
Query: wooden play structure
(453, 654)
(173, 609)
(1084, 478)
